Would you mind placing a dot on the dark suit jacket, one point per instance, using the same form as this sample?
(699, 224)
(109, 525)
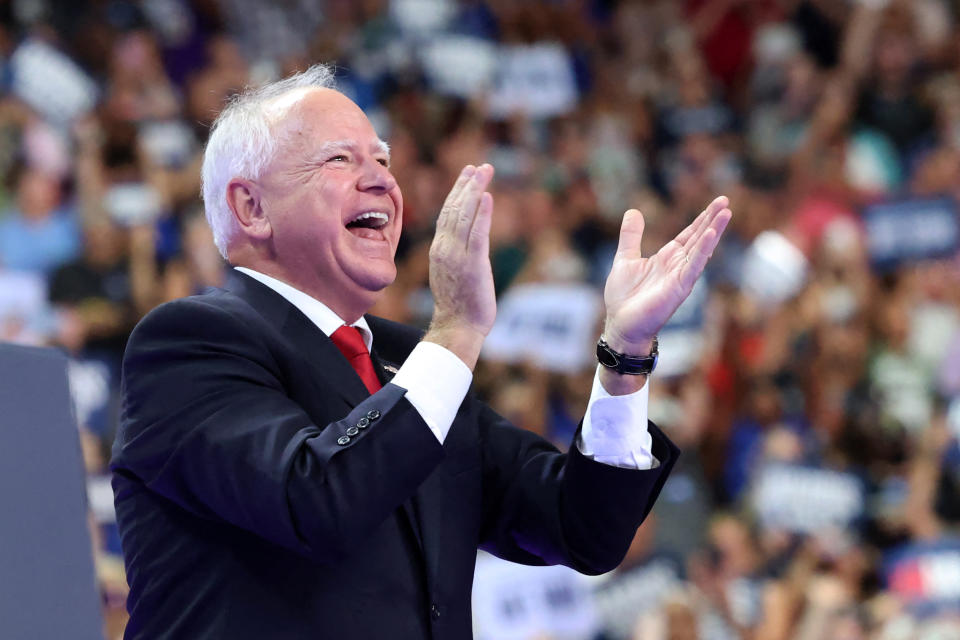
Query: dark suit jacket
(247, 510)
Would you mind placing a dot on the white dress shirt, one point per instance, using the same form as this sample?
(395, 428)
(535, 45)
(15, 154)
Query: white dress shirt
(436, 381)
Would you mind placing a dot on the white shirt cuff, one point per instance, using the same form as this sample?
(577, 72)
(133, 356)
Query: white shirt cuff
(615, 428)
(436, 382)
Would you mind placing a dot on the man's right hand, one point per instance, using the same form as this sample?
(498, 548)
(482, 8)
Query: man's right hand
(461, 279)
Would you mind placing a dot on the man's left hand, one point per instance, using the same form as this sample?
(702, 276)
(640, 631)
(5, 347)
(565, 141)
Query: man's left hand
(642, 293)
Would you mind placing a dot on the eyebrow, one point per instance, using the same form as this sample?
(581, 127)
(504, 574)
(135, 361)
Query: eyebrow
(336, 145)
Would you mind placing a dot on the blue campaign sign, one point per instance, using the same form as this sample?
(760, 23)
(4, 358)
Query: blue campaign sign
(926, 575)
(909, 230)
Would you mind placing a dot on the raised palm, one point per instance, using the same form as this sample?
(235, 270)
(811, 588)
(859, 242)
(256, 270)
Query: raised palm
(642, 293)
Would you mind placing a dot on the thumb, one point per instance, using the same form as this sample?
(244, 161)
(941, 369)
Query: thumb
(631, 233)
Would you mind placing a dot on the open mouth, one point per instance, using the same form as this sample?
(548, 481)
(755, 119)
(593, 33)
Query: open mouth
(368, 224)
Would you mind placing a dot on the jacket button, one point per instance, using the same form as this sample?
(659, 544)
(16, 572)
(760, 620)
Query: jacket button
(343, 440)
(363, 423)
(373, 414)
(352, 431)
(434, 611)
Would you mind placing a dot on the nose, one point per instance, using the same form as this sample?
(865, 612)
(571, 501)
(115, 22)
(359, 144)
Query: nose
(375, 177)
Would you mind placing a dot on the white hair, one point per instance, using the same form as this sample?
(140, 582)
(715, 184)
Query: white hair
(242, 143)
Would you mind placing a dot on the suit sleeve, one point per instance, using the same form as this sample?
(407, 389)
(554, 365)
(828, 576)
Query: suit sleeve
(544, 507)
(207, 424)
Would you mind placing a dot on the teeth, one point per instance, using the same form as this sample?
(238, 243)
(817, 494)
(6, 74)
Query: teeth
(384, 218)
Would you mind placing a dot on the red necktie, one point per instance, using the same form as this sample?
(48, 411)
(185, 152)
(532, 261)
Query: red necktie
(353, 348)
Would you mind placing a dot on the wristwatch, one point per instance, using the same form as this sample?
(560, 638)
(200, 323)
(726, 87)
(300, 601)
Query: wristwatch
(624, 364)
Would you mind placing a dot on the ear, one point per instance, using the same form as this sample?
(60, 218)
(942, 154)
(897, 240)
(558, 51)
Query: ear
(243, 198)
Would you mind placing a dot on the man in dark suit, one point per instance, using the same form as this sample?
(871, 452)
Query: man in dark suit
(272, 480)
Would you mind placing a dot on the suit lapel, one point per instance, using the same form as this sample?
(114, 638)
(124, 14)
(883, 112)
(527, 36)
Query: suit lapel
(424, 511)
(333, 372)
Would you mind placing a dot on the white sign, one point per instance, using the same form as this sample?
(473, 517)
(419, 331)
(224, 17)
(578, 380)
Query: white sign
(806, 500)
(630, 593)
(423, 18)
(132, 203)
(51, 83)
(536, 80)
(517, 602)
(22, 293)
(552, 325)
(459, 65)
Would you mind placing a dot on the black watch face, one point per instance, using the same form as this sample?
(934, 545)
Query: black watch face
(606, 358)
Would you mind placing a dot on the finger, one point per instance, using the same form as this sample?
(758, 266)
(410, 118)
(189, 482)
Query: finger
(708, 240)
(479, 241)
(631, 233)
(689, 235)
(447, 217)
(699, 253)
(467, 209)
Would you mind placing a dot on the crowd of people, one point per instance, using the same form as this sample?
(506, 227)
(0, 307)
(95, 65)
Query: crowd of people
(812, 380)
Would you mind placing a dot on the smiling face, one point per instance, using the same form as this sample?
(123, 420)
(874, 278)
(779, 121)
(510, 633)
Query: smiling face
(333, 207)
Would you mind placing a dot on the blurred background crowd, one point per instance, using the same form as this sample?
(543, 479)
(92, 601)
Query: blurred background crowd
(812, 379)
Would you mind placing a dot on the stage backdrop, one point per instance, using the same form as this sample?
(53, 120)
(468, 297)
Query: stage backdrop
(47, 585)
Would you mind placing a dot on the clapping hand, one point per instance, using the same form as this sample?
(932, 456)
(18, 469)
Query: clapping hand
(642, 293)
(461, 278)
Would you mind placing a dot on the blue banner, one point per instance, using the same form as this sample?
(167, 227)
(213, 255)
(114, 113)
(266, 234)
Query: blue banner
(926, 576)
(911, 230)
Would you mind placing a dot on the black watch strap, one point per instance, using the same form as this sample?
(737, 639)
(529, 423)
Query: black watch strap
(624, 364)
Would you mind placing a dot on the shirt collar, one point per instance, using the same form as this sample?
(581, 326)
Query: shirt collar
(318, 313)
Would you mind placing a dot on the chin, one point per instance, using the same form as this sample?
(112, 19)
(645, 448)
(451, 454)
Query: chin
(379, 279)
